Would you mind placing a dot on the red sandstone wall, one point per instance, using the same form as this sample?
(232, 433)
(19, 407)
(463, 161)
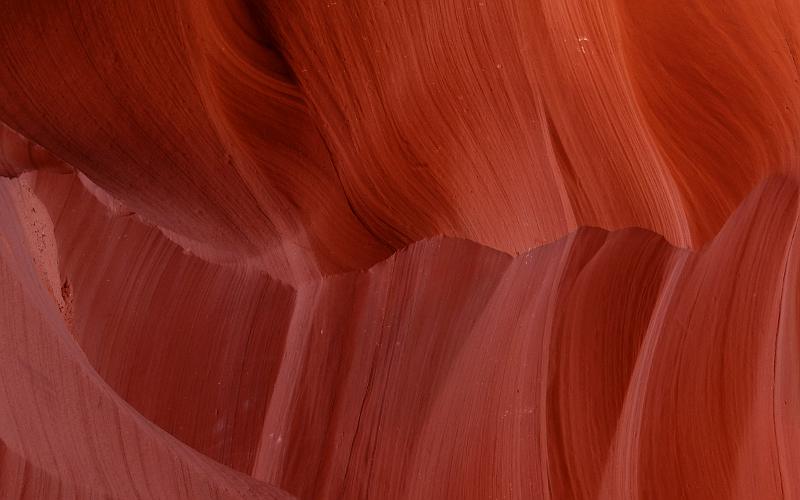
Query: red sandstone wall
(403, 249)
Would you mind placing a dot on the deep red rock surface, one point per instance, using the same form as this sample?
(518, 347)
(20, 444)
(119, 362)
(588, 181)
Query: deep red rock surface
(408, 249)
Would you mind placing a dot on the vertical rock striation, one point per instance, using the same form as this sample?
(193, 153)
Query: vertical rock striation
(408, 249)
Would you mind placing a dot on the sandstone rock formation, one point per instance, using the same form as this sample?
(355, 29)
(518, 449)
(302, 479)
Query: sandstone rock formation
(405, 249)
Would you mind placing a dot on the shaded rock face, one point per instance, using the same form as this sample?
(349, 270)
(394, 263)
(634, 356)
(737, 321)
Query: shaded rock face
(410, 249)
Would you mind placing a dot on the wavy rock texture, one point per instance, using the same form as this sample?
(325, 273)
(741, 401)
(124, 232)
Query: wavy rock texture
(408, 249)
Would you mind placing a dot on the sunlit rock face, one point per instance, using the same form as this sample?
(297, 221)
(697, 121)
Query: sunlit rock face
(331, 249)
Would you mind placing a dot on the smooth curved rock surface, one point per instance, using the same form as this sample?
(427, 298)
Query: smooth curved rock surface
(411, 249)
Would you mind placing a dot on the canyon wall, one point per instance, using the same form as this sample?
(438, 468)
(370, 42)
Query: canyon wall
(409, 249)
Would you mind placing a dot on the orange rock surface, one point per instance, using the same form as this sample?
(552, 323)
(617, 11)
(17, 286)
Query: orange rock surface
(406, 249)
